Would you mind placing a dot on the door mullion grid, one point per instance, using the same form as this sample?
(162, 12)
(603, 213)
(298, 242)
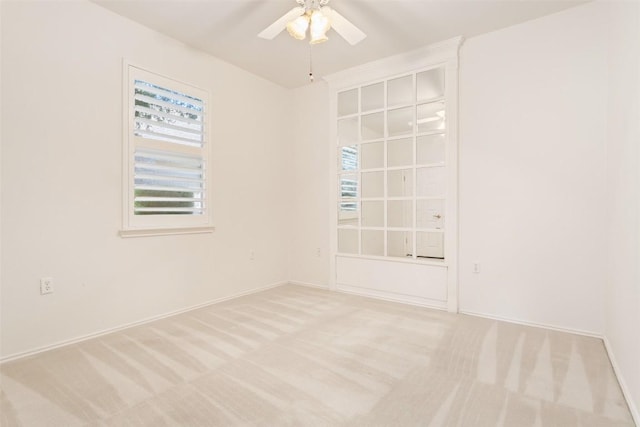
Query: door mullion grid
(414, 203)
(384, 177)
(413, 196)
(359, 193)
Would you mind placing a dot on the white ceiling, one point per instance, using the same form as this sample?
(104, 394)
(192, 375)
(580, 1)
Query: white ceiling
(228, 29)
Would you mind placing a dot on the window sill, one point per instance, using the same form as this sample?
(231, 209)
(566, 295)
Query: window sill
(147, 232)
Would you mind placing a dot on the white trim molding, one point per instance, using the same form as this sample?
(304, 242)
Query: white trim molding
(82, 338)
(434, 53)
(391, 297)
(533, 324)
(308, 285)
(635, 411)
(165, 231)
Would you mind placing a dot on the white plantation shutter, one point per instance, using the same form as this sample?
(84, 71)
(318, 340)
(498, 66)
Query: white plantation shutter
(166, 115)
(348, 187)
(168, 184)
(167, 154)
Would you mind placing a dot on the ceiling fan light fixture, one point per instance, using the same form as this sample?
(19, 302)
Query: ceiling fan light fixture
(298, 27)
(319, 26)
(318, 38)
(315, 17)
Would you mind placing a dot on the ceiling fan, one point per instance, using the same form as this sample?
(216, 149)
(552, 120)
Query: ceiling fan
(316, 18)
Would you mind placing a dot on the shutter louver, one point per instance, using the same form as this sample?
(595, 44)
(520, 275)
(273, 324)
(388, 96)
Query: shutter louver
(168, 184)
(166, 115)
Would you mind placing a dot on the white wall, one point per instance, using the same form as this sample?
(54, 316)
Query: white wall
(309, 226)
(532, 171)
(623, 202)
(61, 179)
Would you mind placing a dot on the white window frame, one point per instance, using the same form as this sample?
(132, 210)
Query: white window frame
(148, 225)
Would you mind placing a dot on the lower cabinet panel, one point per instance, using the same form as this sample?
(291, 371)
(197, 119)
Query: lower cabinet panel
(400, 281)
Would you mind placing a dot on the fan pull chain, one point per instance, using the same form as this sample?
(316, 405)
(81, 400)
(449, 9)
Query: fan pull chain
(310, 64)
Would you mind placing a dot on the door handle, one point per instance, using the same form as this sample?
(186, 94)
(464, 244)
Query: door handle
(438, 216)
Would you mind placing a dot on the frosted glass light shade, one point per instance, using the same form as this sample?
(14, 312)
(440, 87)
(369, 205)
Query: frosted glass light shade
(319, 27)
(298, 27)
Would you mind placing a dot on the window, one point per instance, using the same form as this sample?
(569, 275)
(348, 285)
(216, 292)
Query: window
(167, 156)
(392, 167)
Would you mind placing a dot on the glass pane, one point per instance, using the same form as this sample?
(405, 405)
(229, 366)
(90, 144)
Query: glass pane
(373, 184)
(430, 116)
(431, 182)
(400, 183)
(348, 213)
(430, 214)
(348, 158)
(400, 122)
(373, 242)
(347, 241)
(430, 245)
(430, 149)
(400, 91)
(373, 214)
(348, 102)
(399, 243)
(400, 152)
(347, 131)
(348, 186)
(372, 155)
(373, 126)
(400, 213)
(373, 97)
(430, 84)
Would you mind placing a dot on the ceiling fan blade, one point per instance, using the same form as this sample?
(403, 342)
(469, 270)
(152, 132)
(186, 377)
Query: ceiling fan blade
(274, 29)
(352, 34)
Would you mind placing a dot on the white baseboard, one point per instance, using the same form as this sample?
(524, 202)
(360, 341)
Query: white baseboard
(391, 297)
(308, 285)
(533, 324)
(381, 295)
(63, 343)
(623, 385)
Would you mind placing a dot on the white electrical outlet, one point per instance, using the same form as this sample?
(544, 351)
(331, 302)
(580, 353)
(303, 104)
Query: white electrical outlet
(318, 252)
(252, 255)
(46, 285)
(476, 267)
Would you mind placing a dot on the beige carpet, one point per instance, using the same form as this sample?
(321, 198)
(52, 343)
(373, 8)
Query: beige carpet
(295, 356)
